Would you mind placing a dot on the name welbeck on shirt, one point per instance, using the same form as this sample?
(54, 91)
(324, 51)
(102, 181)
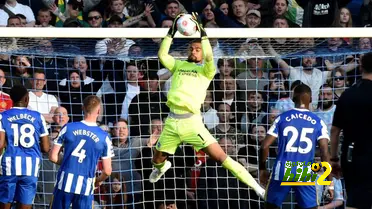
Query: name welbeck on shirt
(86, 133)
(21, 117)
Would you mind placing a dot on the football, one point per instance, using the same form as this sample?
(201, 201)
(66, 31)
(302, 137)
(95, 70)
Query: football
(186, 26)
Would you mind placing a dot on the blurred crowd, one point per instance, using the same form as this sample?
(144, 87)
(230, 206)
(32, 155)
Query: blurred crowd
(244, 98)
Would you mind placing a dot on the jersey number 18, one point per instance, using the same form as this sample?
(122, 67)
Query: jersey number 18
(23, 135)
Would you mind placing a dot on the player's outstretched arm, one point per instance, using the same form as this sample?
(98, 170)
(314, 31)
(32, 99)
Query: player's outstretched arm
(106, 171)
(54, 154)
(210, 69)
(323, 146)
(165, 58)
(264, 153)
(45, 144)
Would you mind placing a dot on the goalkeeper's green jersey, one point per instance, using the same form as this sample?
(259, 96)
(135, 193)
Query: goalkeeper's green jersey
(189, 85)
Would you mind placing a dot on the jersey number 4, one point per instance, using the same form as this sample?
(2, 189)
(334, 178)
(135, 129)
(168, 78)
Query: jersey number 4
(23, 135)
(79, 152)
(294, 138)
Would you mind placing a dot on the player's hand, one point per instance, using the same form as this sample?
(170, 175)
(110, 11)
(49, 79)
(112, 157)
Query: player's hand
(264, 177)
(172, 30)
(97, 184)
(198, 21)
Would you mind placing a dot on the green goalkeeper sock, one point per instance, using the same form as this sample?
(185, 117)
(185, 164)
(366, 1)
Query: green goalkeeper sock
(160, 165)
(242, 174)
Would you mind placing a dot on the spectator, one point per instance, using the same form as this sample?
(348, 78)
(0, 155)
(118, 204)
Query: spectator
(254, 112)
(44, 17)
(228, 95)
(343, 18)
(277, 87)
(73, 94)
(126, 149)
(326, 107)
(224, 127)
(80, 63)
(60, 118)
(11, 8)
(44, 103)
(338, 82)
(117, 197)
(146, 106)
(95, 19)
(20, 71)
(5, 101)
(209, 114)
(253, 18)
(114, 46)
(286, 103)
(73, 9)
(307, 73)
(14, 21)
(255, 77)
(320, 14)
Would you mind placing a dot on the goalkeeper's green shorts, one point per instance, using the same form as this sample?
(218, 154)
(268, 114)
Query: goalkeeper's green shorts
(190, 130)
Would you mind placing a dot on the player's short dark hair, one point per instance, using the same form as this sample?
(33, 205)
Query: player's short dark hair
(367, 62)
(44, 9)
(295, 84)
(299, 92)
(17, 93)
(90, 103)
(39, 71)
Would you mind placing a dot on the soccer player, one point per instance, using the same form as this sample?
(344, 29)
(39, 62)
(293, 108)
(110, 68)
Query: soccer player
(84, 143)
(190, 80)
(23, 136)
(298, 131)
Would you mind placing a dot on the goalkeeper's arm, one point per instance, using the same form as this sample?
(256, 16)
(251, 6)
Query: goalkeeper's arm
(165, 58)
(209, 69)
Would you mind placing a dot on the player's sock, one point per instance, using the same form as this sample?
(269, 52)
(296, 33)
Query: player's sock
(159, 166)
(243, 175)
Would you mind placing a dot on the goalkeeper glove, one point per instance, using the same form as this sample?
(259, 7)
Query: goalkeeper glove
(197, 20)
(172, 30)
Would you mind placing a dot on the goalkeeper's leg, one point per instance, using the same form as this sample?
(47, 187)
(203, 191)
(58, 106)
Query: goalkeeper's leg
(216, 153)
(161, 165)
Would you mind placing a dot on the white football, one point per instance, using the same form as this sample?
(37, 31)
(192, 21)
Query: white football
(186, 26)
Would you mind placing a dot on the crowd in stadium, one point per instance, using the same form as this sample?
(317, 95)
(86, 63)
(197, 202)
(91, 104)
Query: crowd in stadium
(243, 100)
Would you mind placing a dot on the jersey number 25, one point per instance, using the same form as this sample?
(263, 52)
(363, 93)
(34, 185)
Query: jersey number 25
(303, 138)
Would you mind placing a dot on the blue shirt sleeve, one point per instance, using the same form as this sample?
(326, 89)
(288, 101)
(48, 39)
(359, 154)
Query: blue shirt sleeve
(43, 127)
(108, 151)
(61, 136)
(274, 129)
(323, 132)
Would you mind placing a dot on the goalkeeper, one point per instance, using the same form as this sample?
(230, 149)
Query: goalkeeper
(184, 124)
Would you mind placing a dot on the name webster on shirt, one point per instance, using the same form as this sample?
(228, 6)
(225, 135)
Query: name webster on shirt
(86, 133)
(21, 117)
(301, 116)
